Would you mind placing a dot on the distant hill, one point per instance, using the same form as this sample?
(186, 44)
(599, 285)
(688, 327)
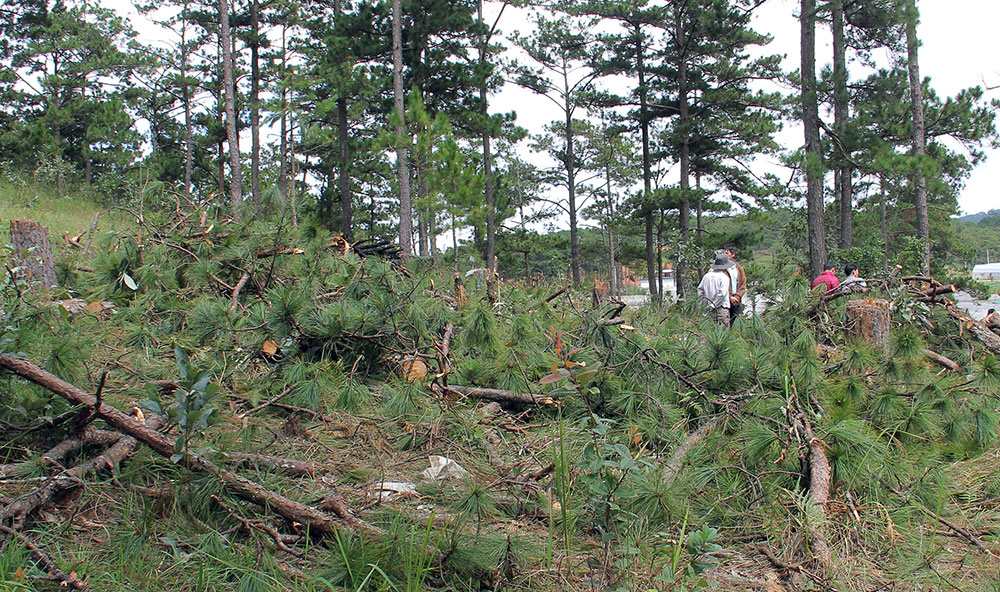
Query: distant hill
(974, 218)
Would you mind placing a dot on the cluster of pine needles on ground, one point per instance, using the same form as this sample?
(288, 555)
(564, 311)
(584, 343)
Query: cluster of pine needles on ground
(259, 407)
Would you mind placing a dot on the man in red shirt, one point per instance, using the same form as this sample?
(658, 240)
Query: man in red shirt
(828, 279)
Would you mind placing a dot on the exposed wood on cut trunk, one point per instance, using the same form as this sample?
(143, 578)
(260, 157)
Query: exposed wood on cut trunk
(317, 521)
(820, 473)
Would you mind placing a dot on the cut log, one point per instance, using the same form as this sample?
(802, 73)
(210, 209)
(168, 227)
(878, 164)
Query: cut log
(500, 396)
(935, 291)
(868, 320)
(948, 363)
(316, 521)
(819, 491)
(33, 252)
(676, 460)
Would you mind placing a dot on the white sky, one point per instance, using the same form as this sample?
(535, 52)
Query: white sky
(960, 49)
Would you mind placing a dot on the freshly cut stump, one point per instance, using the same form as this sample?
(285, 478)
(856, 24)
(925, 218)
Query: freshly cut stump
(868, 319)
(33, 252)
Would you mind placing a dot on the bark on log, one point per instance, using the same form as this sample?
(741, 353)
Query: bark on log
(58, 484)
(500, 396)
(33, 252)
(948, 363)
(868, 320)
(676, 460)
(819, 491)
(90, 437)
(66, 579)
(315, 520)
(936, 291)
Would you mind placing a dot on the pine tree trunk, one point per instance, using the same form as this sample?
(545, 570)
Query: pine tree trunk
(283, 142)
(654, 295)
(842, 181)
(491, 245)
(33, 252)
(236, 185)
(885, 225)
(186, 98)
(255, 105)
(574, 236)
(813, 162)
(402, 139)
(344, 174)
(919, 131)
(685, 156)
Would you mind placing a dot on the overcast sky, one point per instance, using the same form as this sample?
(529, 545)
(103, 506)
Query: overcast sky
(959, 50)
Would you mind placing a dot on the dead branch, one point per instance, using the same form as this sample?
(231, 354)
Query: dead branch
(48, 564)
(315, 520)
(90, 437)
(963, 532)
(236, 290)
(948, 363)
(251, 525)
(676, 460)
(558, 293)
(501, 396)
(71, 478)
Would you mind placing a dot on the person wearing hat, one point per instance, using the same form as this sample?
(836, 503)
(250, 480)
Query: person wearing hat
(715, 289)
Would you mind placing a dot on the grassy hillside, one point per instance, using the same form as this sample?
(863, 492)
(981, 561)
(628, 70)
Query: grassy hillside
(71, 214)
(624, 450)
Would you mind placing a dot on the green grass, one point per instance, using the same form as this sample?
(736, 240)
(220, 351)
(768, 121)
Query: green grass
(72, 213)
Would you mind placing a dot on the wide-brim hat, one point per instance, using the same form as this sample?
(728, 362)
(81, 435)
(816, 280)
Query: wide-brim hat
(722, 262)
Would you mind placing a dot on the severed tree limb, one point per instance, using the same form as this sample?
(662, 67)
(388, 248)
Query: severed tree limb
(48, 564)
(948, 363)
(317, 521)
(558, 293)
(819, 490)
(676, 460)
(236, 290)
(500, 396)
(289, 466)
(72, 478)
(963, 532)
(251, 525)
(90, 437)
(444, 363)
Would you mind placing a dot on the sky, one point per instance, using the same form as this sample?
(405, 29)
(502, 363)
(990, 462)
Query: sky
(960, 49)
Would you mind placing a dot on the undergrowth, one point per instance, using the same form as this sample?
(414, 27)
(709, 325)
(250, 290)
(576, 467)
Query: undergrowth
(673, 449)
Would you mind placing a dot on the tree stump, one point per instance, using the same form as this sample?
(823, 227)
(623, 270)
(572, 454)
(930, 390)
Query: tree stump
(33, 252)
(869, 320)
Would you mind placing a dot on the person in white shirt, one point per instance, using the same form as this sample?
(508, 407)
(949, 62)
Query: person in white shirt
(853, 282)
(715, 289)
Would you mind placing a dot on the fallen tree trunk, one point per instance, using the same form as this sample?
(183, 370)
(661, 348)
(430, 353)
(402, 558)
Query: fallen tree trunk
(500, 396)
(819, 491)
(315, 520)
(676, 460)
